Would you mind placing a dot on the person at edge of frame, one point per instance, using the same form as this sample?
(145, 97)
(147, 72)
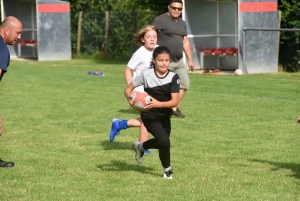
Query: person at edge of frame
(10, 33)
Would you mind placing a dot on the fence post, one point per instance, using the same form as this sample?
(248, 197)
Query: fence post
(279, 26)
(106, 33)
(79, 33)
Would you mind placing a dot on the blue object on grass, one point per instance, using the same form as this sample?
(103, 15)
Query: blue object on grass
(147, 151)
(96, 73)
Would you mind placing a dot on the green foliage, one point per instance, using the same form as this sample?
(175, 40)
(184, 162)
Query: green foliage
(92, 34)
(290, 41)
(123, 26)
(126, 17)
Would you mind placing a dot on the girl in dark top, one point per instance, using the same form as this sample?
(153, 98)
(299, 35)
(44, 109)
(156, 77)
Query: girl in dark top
(163, 87)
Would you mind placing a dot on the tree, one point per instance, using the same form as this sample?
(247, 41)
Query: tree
(289, 55)
(126, 17)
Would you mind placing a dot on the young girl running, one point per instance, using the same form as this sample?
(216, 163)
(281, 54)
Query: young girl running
(140, 60)
(163, 87)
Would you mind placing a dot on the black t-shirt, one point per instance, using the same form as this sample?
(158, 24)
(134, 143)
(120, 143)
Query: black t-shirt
(159, 88)
(171, 34)
(4, 57)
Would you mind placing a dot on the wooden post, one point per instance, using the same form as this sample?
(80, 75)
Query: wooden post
(134, 14)
(79, 33)
(280, 67)
(106, 34)
(279, 25)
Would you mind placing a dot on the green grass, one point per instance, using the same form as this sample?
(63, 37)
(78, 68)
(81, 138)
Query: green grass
(239, 141)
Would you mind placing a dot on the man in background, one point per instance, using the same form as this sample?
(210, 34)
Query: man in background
(10, 33)
(173, 35)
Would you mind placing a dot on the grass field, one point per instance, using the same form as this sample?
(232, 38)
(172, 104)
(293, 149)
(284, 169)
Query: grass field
(239, 141)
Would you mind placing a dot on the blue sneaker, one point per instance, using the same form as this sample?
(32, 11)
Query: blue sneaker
(147, 151)
(115, 130)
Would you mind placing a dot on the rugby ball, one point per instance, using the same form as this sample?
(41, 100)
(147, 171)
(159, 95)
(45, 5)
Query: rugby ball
(140, 100)
(238, 72)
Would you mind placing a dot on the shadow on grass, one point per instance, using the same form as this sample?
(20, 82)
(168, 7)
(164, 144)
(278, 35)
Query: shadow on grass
(122, 166)
(129, 111)
(107, 145)
(119, 165)
(295, 168)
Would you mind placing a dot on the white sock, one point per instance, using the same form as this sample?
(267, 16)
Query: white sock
(140, 147)
(167, 169)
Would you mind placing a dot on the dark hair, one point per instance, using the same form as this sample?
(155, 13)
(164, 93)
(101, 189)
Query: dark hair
(176, 1)
(159, 50)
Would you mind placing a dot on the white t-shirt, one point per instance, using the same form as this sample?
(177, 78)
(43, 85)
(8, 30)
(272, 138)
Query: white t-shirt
(140, 61)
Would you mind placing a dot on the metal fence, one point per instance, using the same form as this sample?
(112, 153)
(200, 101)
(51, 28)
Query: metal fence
(289, 48)
(122, 27)
(289, 52)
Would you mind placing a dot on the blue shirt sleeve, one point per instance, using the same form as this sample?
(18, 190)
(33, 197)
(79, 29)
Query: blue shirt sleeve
(4, 58)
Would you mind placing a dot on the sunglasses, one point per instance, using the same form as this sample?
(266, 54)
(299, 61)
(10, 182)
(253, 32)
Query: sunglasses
(176, 8)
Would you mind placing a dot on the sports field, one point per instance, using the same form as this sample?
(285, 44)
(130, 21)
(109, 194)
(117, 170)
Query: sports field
(239, 141)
